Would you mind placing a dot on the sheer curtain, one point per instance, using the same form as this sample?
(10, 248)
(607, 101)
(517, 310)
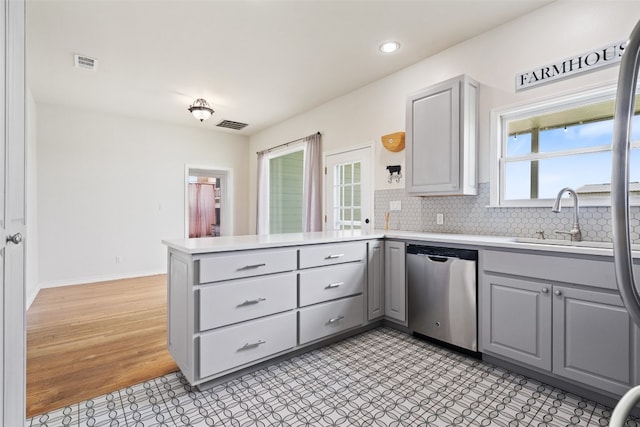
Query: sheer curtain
(262, 219)
(312, 184)
(202, 209)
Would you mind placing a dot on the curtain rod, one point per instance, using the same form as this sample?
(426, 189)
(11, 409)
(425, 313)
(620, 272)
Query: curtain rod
(286, 144)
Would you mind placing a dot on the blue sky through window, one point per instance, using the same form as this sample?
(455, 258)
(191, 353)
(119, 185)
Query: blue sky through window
(575, 170)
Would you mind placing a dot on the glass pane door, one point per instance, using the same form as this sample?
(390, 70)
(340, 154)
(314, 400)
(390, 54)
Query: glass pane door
(347, 209)
(348, 185)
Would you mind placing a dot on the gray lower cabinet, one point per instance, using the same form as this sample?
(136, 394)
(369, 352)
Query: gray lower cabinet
(574, 332)
(395, 283)
(375, 280)
(230, 310)
(517, 319)
(593, 339)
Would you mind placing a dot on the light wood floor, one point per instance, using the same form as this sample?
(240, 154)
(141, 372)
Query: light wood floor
(87, 340)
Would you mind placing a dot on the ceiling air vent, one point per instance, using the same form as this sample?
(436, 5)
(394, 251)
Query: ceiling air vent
(232, 125)
(81, 61)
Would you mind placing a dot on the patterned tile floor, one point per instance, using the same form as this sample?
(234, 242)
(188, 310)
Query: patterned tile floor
(379, 378)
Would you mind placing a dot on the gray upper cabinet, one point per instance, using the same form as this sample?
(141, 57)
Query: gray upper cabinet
(442, 139)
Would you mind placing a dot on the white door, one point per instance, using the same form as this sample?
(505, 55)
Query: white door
(12, 215)
(349, 190)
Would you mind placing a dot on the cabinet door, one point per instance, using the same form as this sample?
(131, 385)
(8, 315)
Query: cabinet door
(517, 319)
(433, 134)
(375, 280)
(395, 301)
(593, 339)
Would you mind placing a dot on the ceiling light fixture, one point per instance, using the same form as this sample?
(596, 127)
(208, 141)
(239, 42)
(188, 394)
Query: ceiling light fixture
(201, 109)
(389, 47)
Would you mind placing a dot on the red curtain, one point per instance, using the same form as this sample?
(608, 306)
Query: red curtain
(202, 209)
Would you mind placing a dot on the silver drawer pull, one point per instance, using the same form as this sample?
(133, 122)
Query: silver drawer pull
(335, 319)
(334, 285)
(252, 301)
(249, 267)
(335, 256)
(252, 345)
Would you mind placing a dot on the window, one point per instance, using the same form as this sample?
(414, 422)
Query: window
(566, 142)
(347, 209)
(285, 191)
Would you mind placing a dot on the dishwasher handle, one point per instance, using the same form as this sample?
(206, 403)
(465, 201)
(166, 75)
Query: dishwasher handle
(438, 258)
(441, 252)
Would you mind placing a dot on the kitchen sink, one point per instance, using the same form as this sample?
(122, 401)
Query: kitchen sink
(561, 242)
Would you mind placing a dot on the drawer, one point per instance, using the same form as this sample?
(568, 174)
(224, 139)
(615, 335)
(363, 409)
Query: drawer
(560, 268)
(326, 319)
(218, 267)
(232, 302)
(248, 342)
(329, 254)
(327, 283)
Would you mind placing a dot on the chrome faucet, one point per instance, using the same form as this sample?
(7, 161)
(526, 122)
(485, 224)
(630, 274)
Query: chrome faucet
(575, 233)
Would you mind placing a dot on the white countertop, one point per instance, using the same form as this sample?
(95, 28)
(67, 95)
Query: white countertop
(234, 243)
(257, 241)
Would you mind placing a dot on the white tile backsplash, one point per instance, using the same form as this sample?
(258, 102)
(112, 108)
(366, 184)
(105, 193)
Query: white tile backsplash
(470, 215)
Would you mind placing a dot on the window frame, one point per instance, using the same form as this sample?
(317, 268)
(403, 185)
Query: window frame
(499, 136)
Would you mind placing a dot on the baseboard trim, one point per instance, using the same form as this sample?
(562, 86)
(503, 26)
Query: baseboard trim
(95, 279)
(31, 298)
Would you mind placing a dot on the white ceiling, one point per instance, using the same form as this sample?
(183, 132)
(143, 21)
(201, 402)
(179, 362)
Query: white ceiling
(258, 62)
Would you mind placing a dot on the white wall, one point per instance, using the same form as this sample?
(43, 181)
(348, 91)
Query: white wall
(555, 32)
(114, 186)
(31, 239)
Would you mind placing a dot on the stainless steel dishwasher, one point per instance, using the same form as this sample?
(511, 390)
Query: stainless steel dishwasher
(442, 294)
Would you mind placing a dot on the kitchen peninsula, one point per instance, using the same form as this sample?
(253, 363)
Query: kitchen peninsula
(238, 301)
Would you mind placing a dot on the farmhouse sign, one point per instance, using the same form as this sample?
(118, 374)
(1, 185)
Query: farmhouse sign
(588, 61)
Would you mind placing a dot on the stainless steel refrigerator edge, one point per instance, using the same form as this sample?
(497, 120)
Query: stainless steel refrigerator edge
(623, 259)
(442, 294)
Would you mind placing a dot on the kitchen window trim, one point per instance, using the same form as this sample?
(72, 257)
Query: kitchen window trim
(498, 143)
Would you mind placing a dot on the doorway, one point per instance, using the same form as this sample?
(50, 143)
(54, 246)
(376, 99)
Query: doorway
(348, 190)
(208, 206)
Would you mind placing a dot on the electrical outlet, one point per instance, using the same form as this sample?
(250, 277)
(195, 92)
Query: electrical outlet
(118, 259)
(395, 205)
(439, 219)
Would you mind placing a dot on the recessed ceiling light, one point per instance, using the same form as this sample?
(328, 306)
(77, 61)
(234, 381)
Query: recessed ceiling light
(389, 47)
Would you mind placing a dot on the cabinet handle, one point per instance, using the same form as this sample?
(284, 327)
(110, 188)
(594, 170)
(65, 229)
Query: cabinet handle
(545, 290)
(335, 319)
(558, 293)
(335, 256)
(15, 239)
(249, 267)
(252, 301)
(334, 285)
(252, 345)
